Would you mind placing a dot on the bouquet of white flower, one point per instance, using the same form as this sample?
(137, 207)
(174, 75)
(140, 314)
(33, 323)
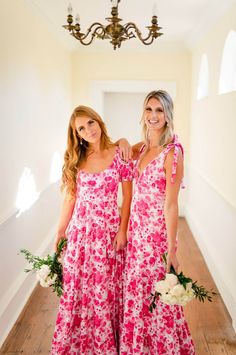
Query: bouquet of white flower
(49, 269)
(177, 289)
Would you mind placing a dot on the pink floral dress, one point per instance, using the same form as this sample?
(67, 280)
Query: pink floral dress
(164, 331)
(90, 310)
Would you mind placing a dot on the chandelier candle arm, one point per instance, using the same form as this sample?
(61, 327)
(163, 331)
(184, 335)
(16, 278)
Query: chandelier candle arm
(114, 30)
(153, 31)
(93, 30)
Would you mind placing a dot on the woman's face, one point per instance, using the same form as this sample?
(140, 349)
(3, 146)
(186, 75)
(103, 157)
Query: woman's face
(88, 129)
(154, 115)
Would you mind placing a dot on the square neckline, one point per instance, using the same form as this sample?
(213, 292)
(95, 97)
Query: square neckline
(102, 171)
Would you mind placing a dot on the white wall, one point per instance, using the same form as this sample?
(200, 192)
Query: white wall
(35, 91)
(35, 94)
(96, 74)
(211, 207)
(175, 67)
(122, 114)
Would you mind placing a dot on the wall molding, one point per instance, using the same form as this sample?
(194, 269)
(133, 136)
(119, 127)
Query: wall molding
(33, 230)
(212, 186)
(216, 273)
(212, 221)
(18, 294)
(99, 87)
(12, 213)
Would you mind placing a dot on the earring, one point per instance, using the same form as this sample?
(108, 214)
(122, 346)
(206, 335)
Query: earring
(81, 141)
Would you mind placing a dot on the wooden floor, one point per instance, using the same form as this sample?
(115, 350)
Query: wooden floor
(209, 323)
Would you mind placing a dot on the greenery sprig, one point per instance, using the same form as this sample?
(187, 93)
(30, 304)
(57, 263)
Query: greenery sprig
(52, 276)
(190, 288)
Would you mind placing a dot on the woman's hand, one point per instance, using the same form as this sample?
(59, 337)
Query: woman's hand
(125, 149)
(58, 237)
(171, 260)
(120, 241)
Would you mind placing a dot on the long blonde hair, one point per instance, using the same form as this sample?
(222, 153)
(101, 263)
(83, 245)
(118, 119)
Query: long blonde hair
(77, 148)
(166, 101)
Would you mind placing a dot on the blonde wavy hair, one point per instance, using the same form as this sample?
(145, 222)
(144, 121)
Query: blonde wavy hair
(77, 148)
(166, 101)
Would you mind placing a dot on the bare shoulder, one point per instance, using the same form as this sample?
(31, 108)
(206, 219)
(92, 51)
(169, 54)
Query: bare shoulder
(68, 198)
(170, 157)
(170, 154)
(136, 149)
(112, 150)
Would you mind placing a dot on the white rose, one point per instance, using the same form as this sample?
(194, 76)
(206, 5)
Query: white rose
(48, 281)
(186, 297)
(190, 294)
(171, 280)
(44, 283)
(162, 287)
(168, 299)
(52, 279)
(189, 286)
(43, 272)
(182, 301)
(42, 275)
(177, 290)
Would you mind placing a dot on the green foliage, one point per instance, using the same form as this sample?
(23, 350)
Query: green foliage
(200, 293)
(153, 298)
(52, 262)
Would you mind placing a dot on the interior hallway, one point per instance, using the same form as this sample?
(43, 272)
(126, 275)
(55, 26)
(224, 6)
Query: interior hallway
(210, 323)
(43, 77)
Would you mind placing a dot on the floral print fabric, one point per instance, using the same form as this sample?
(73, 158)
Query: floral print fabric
(90, 310)
(164, 331)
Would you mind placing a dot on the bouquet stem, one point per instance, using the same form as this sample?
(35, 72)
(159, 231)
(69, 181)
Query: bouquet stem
(49, 269)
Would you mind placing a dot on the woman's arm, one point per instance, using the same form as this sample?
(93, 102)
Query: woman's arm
(171, 207)
(127, 151)
(121, 237)
(136, 150)
(66, 214)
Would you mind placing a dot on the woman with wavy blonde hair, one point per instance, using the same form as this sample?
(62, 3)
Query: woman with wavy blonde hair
(152, 233)
(90, 310)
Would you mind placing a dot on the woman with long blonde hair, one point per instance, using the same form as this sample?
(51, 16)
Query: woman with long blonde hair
(90, 310)
(152, 233)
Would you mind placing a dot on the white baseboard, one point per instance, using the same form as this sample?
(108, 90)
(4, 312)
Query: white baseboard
(17, 296)
(213, 265)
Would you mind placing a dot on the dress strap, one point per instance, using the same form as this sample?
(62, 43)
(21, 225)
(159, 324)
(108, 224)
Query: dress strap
(141, 150)
(177, 147)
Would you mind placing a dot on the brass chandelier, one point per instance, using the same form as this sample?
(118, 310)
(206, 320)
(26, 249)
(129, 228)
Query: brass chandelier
(113, 31)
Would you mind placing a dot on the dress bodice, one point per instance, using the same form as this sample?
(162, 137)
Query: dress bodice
(150, 184)
(103, 186)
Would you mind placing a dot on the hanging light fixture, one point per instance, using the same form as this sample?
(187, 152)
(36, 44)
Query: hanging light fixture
(113, 31)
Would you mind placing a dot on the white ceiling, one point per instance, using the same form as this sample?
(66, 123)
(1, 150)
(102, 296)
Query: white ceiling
(183, 22)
